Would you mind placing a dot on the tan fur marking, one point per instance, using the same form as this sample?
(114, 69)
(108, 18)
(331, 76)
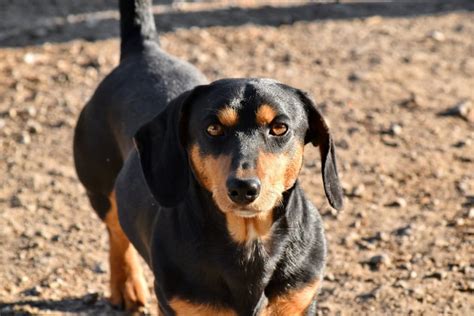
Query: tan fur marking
(294, 303)
(228, 116)
(185, 308)
(127, 284)
(293, 167)
(278, 173)
(265, 114)
(243, 229)
(212, 172)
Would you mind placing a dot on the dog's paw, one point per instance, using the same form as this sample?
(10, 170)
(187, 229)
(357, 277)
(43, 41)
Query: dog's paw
(130, 293)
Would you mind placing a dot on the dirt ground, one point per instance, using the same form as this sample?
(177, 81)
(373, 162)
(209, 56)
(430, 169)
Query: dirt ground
(381, 73)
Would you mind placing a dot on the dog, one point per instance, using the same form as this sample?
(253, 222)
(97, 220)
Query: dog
(200, 179)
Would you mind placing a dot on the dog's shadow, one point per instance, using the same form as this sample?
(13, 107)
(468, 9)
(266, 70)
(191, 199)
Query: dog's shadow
(89, 304)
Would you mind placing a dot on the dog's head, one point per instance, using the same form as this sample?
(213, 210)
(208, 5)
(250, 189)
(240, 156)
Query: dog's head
(242, 140)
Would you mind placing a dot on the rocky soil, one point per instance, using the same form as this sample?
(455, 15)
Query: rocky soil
(396, 82)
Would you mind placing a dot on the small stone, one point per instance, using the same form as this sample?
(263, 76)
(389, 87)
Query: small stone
(462, 186)
(437, 275)
(33, 127)
(437, 36)
(403, 231)
(329, 277)
(398, 202)
(350, 239)
(387, 140)
(470, 213)
(31, 111)
(395, 129)
(460, 222)
(468, 270)
(12, 113)
(462, 143)
(343, 144)
(356, 76)
(24, 138)
(413, 274)
(75, 227)
(382, 236)
(34, 291)
(401, 284)
(358, 191)
(463, 109)
(355, 224)
(418, 293)
(15, 201)
(30, 58)
(377, 262)
(99, 268)
(90, 299)
(372, 295)
(412, 102)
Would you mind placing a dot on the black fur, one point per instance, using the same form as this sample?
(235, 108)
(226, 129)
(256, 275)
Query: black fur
(173, 221)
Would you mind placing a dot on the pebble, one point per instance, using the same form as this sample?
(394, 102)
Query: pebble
(437, 36)
(33, 127)
(24, 138)
(395, 129)
(412, 102)
(398, 202)
(379, 261)
(350, 239)
(389, 141)
(329, 277)
(372, 295)
(462, 186)
(15, 201)
(463, 109)
(401, 284)
(30, 58)
(355, 76)
(358, 190)
(12, 113)
(403, 231)
(99, 268)
(439, 275)
(90, 299)
(418, 293)
(34, 291)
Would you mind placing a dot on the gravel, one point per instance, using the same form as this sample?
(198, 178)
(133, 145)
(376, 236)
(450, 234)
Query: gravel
(403, 189)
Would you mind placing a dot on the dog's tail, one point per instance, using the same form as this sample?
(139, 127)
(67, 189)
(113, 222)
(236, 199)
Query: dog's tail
(136, 26)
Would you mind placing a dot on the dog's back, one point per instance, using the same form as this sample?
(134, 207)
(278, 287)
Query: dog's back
(139, 88)
(132, 94)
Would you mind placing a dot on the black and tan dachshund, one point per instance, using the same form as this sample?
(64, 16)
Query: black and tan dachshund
(201, 180)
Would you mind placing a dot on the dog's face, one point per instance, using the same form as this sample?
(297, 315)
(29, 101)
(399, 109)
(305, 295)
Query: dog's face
(243, 141)
(245, 144)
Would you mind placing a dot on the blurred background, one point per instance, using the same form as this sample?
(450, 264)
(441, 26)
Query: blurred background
(395, 79)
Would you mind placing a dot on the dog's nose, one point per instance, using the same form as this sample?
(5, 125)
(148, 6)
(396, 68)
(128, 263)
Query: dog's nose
(243, 191)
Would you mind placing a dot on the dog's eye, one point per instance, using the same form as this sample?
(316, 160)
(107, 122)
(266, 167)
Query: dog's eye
(278, 129)
(215, 130)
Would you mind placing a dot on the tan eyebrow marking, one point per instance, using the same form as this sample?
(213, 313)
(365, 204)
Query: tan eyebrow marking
(228, 116)
(265, 114)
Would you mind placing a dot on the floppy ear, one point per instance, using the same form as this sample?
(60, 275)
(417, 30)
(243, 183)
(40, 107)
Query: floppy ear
(160, 145)
(318, 134)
